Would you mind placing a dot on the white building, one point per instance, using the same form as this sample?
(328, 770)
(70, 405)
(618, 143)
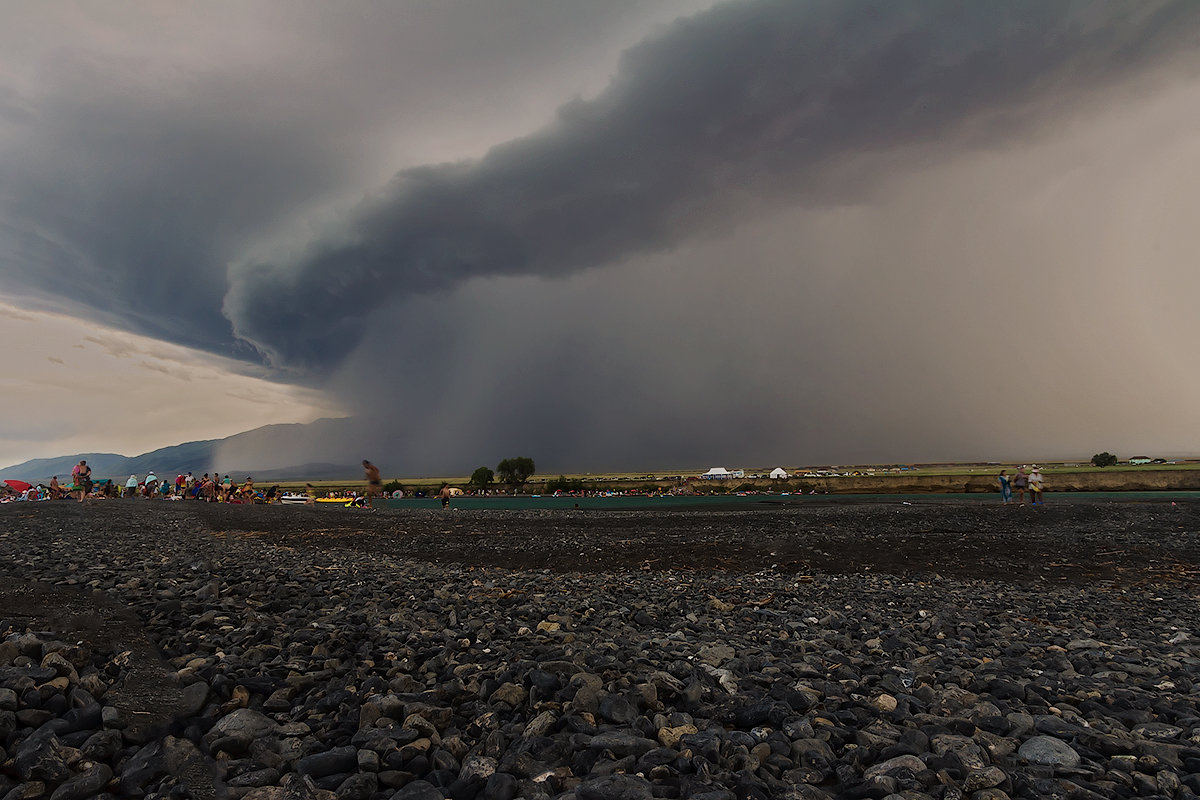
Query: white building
(779, 474)
(722, 474)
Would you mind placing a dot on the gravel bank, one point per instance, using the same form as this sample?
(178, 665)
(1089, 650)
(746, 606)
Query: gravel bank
(154, 649)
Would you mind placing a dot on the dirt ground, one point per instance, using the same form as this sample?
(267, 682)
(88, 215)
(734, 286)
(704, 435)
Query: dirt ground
(1070, 542)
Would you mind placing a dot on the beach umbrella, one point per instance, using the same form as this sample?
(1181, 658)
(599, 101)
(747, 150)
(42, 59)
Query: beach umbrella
(18, 486)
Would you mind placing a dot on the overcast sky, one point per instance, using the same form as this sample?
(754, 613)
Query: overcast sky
(605, 235)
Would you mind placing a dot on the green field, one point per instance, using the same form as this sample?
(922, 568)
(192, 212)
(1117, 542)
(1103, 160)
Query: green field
(666, 479)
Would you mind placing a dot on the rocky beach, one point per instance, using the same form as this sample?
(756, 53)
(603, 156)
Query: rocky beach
(950, 650)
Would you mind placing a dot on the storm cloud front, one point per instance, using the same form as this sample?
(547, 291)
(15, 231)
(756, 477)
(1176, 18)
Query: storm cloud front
(649, 236)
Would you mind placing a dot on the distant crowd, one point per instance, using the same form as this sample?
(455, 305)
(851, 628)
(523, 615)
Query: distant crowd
(211, 488)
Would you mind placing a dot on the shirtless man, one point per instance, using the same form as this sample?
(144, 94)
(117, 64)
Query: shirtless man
(374, 484)
(56, 490)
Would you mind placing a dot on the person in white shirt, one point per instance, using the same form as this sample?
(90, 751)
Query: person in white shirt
(1035, 486)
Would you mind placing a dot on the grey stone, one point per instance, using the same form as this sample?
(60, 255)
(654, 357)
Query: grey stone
(192, 699)
(140, 769)
(359, 786)
(1048, 751)
(418, 790)
(331, 762)
(43, 758)
(29, 790)
(899, 762)
(243, 723)
(85, 784)
(477, 767)
(986, 778)
(622, 744)
(615, 787)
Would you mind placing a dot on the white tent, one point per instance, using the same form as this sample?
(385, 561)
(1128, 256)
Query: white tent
(716, 473)
(779, 473)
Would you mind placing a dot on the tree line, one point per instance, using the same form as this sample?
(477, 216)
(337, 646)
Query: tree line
(512, 472)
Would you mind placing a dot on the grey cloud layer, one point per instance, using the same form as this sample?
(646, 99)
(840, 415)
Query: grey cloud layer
(745, 105)
(143, 153)
(775, 230)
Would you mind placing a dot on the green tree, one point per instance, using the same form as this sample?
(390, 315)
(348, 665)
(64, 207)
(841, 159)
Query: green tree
(515, 471)
(481, 478)
(1104, 459)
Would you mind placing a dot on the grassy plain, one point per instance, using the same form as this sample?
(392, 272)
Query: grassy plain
(673, 477)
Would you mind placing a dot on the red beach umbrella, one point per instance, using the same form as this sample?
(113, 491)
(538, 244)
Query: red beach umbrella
(18, 486)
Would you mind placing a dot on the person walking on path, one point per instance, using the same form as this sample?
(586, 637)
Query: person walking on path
(1035, 486)
(374, 484)
(1020, 484)
(1005, 488)
(81, 474)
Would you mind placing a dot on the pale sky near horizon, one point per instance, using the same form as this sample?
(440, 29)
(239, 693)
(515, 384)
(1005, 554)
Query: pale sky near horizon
(603, 235)
(88, 388)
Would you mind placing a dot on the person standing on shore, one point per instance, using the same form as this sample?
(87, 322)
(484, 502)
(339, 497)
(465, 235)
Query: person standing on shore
(444, 495)
(81, 474)
(1005, 488)
(374, 484)
(310, 492)
(1035, 486)
(1020, 484)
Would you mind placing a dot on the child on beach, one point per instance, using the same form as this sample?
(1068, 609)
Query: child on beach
(1005, 488)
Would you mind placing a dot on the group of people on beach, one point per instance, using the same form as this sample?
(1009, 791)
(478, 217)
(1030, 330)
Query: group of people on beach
(1020, 483)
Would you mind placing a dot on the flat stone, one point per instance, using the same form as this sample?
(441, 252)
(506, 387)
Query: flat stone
(85, 784)
(1048, 751)
(331, 762)
(418, 790)
(243, 723)
(899, 762)
(615, 787)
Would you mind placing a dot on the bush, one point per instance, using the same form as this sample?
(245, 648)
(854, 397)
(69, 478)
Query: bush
(1104, 459)
(393, 486)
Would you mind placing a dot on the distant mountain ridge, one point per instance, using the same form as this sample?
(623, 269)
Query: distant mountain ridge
(195, 457)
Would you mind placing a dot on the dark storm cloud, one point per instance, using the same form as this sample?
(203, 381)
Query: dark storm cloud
(143, 153)
(732, 110)
(130, 199)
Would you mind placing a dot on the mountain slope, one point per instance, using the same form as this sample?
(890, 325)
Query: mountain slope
(240, 454)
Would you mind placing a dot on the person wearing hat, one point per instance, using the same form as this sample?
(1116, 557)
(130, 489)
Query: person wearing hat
(1035, 486)
(131, 486)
